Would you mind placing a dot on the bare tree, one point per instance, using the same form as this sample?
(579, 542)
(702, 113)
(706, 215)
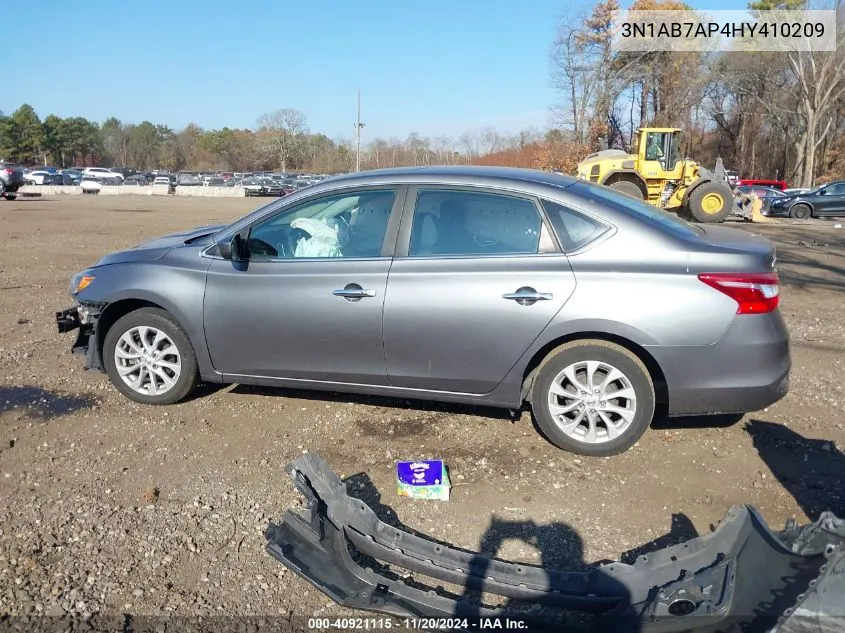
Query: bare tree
(570, 75)
(281, 133)
(819, 86)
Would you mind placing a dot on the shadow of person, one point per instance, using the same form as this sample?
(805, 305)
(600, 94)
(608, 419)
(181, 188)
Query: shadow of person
(812, 471)
(562, 569)
(581, 597)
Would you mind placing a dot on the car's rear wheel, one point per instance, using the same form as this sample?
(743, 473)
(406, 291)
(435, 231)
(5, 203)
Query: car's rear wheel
(593, 398)
(149, 359)
(800, 212)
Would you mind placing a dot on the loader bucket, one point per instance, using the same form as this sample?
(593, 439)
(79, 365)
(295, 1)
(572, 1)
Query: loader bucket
(757, 216)
(751, 209)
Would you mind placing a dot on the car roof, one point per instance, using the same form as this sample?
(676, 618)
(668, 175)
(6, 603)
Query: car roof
(450, 174)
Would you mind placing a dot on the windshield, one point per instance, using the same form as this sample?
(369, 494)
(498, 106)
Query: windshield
(609, 197)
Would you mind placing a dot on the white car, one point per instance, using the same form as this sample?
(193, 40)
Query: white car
(162, 180)
(101, 172)
(35, 177)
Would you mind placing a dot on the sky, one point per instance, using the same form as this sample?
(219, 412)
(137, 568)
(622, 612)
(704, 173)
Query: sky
(434, 67)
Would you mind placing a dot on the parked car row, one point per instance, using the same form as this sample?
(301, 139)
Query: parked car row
(824, 201)
(264, 184)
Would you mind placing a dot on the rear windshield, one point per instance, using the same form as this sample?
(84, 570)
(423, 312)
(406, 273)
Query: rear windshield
(606, 196)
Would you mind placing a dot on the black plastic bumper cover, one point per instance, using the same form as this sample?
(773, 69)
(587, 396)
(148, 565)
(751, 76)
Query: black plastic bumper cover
(68, 320)
(740, 577)
(86, 338)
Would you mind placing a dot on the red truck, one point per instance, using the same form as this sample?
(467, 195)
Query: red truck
(774, 184)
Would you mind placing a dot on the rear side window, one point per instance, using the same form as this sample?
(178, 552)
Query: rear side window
(573, 229)
(469, 224)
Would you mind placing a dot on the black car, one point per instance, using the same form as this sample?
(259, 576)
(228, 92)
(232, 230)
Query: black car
(825, 201)
(272, 187)
(11, 179)
(766, 195)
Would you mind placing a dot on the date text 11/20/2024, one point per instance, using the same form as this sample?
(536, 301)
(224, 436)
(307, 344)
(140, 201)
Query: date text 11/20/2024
(420, 624)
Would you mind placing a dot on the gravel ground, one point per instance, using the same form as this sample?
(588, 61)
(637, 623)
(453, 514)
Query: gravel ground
(114, 508)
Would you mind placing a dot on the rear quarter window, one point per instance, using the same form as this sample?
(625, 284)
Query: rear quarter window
(574, 230)
(605, 196)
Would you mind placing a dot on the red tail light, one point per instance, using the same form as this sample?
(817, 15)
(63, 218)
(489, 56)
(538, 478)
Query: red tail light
(756, 293)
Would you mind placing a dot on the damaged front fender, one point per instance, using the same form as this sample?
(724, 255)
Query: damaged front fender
(740, 577)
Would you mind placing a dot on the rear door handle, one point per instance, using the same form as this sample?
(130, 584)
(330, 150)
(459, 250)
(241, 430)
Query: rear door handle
(353, 292)
(527, 296)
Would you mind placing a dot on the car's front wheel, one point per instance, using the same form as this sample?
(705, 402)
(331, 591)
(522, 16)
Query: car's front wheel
(149, 359)
(593, 397)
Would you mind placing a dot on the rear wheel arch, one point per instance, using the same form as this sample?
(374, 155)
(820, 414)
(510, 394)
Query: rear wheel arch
(548, 351)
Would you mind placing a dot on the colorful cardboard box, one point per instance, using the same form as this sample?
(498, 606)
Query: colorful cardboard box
(423, 479)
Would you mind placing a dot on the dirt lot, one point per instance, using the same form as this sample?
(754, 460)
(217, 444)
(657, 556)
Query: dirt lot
(77, 533)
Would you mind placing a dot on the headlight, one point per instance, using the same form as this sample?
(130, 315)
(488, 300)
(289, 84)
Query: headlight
(80, 282)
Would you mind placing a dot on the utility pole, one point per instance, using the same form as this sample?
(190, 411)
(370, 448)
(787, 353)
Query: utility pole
(358, 126)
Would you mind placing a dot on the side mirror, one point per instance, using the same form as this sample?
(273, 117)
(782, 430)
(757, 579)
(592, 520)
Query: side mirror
(822, 192)
(234, 249)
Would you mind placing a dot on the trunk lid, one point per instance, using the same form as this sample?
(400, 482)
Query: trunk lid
(739, 250)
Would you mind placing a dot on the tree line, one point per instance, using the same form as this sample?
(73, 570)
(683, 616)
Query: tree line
(767, 114)
(281, 140)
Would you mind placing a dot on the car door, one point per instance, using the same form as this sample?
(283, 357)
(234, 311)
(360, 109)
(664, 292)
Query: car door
(830, 201)
(476, 278)
(307, 304)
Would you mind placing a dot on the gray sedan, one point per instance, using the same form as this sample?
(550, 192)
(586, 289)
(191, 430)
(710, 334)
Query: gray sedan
(490, 286)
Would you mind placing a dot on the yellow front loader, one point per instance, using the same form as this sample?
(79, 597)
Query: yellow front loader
(659, 175)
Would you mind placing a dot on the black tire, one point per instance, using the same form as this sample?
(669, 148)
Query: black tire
(801, 211)
(700, 204)
(629, 188)
(164, 322)
(11, 196)
(635, 375)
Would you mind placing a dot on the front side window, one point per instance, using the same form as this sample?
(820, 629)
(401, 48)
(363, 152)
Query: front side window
(654, 145)
(465, 223)
(352, 224)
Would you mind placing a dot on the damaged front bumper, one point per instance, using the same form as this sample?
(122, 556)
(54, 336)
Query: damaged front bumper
(84, 318)
(740, 577)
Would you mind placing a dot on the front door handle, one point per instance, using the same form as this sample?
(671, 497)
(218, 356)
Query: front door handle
(353, 292)
(527, 296)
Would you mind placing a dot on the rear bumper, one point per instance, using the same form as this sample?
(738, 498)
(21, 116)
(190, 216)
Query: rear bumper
(710, 583)
(747, 370)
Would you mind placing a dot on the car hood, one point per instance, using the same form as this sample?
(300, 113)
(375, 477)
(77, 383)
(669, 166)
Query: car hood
(159, 246)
